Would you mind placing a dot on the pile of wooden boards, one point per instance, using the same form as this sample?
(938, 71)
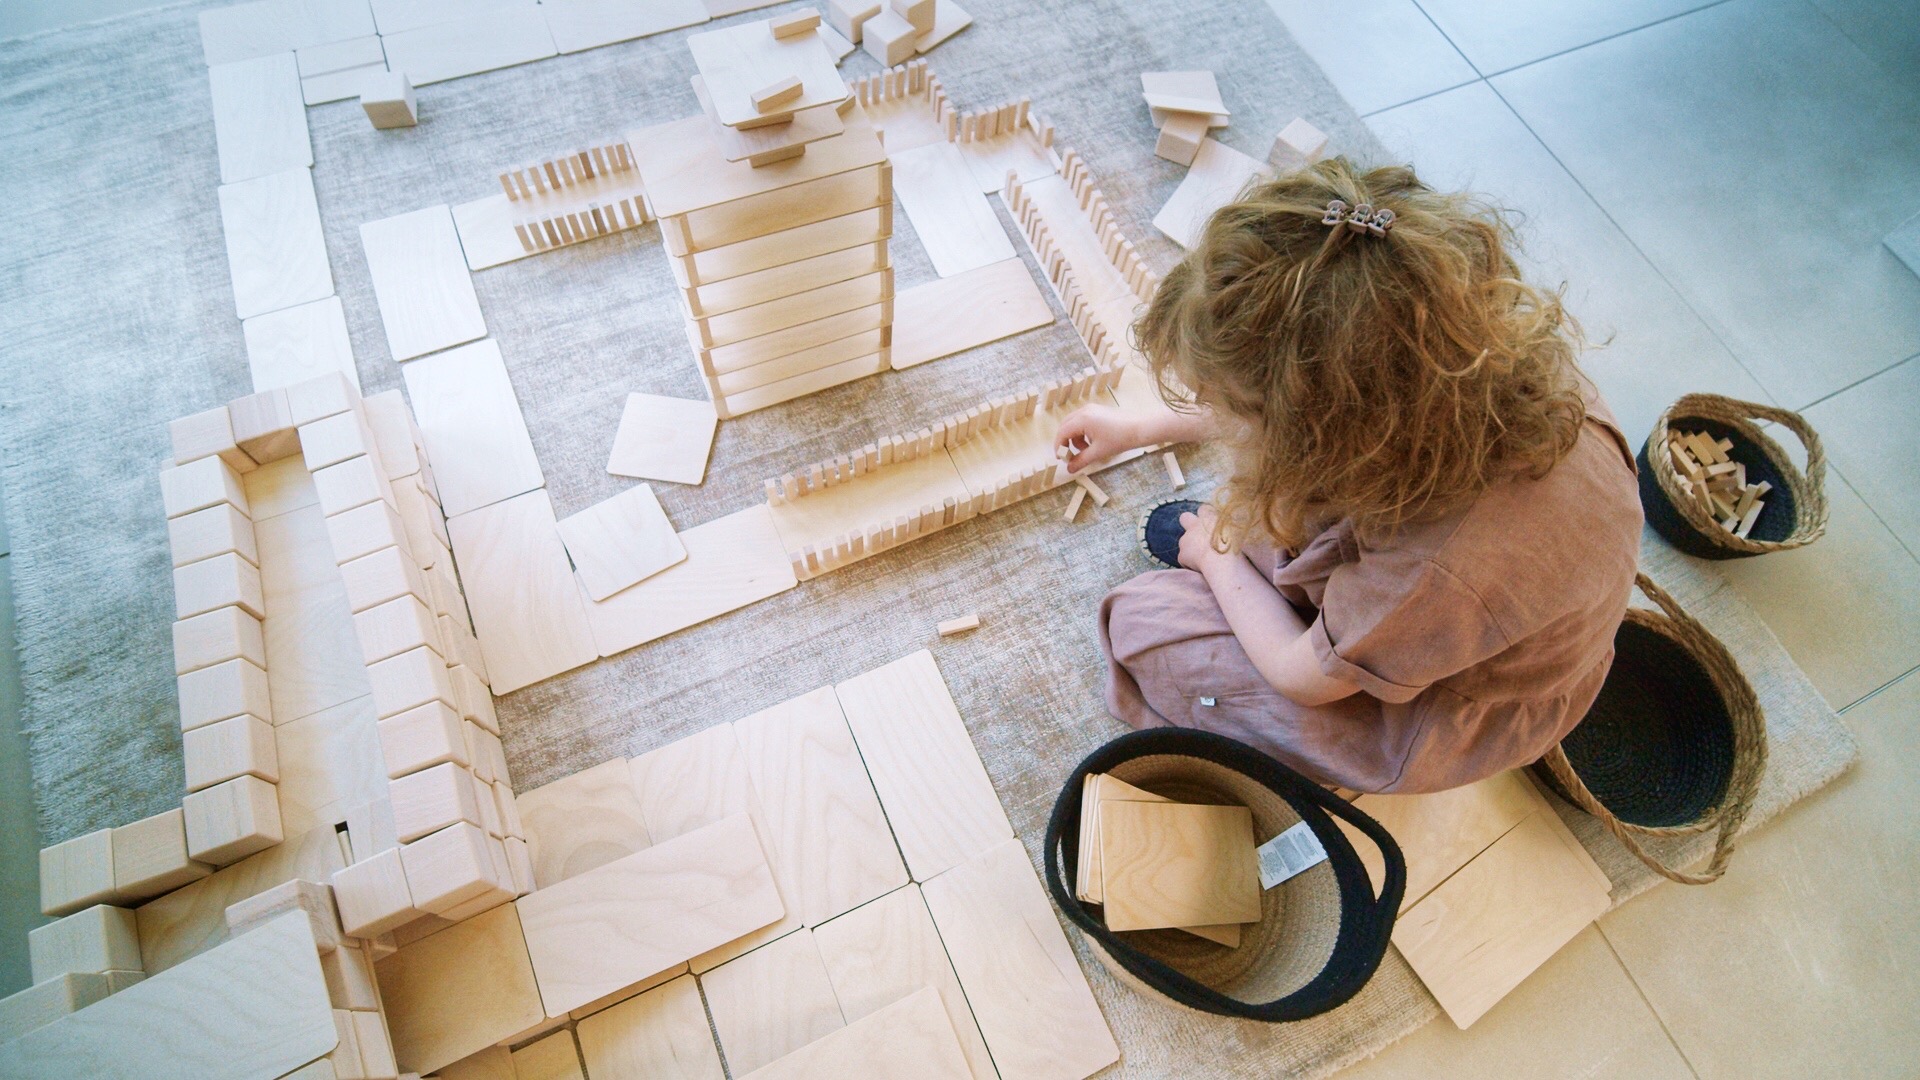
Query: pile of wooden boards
(1716, 483)
(1184, 105)
(1153, 863)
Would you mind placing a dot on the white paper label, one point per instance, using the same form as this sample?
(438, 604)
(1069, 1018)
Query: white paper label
(1289, 853)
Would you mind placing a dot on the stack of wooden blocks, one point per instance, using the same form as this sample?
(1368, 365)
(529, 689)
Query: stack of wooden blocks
(1153, 863)
(892, 31)
(1716, 482)
(1185, 105)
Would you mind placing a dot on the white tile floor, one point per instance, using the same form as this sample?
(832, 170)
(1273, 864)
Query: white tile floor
(1712, 183)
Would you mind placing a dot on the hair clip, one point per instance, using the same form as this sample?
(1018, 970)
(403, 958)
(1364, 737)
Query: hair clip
(1361, 218)
(1336, 213)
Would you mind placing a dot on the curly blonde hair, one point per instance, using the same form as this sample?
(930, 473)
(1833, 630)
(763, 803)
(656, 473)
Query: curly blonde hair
(1381, 379)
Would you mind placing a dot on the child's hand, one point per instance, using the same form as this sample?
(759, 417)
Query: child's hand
(1196, 544)
(1093, 435)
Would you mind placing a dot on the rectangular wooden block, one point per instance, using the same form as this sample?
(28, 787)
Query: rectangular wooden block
(552, 1057)
(1035, 1010)
(953, 314)
(527, 609)
(385, 575)
(605, 929)
(349, 974)
(582, 821)
(910, 1039)
(259, 117)
(366, 529)
(771, 1002)
(89, 941)
(42, 1003)
(334, 439)
(350, 483)
(408, 680)
(200, 484)
(660, 1034)
(422, 737)
(216, 530)
(276, 252)
(420, 280)
(255, 1006)
(449, 868)
(731, 562)
(227, 749)
(620, 541)
(824, 821)
(313, 899)
(208, 433)
(395, 627)
(230, 821)
(432, 799)
(889, 38)
(475, 434)
(923, 764)
(193, 918)
(1217, 174)
(953, 220)
(1181, 135)
(372, 897)
(263, 426)
(1172, 865)
(459, 991)
(215, 583)
(322, 395)
(216, 636)
(150, 857)
(223, 690)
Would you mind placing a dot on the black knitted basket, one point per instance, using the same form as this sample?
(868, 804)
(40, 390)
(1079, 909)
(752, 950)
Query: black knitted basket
(1793, 513)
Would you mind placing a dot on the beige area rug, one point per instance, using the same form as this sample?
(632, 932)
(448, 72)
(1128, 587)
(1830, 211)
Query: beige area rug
(116, 316)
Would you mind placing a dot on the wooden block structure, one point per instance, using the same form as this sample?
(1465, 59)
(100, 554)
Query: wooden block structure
(91, 941)
(388, 99)
(583, 195)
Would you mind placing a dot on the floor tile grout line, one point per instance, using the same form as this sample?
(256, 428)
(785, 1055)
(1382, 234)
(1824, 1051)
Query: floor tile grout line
(1421, 97)
(1891, 531)
(1857, 382)
(1878, 690)
(1647, 1001)
(1448, 38)
(1583, 45)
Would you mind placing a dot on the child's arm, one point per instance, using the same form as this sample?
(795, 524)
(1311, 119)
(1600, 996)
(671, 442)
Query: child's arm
(1271, 632)
(1099, 433)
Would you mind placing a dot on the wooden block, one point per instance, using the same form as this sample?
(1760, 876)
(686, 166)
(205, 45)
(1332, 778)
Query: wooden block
(263, 426)
(887, 951)
(724, 204)
(738, 60)
(421, 282)
(294, 344)
(349, 974)
(1298, 145)
(388, 99)
(492, 1063)
(395, 627)
(937, 797)
(849, 16)
(1092, 489)
(960, 625)
(259, 117)
(592, 934)
(1180, 137)
(376, 1048)
(365, 529)
(448, 868)
(352, 483)
(459, 991)
(87, 942)
(527, 609)
(593, 23)
(956, 225)
(554, 1057)
(1478, 934)
(823, 819)
(311, 649)
(312, 898)
(215, 693)
(1174, 476)
(218, 636)
(389, 423)
(42, 1003)
(248, 30)
(1217, 175)
(889, 38)
(385, 575)
(276, 251)
(475, 434)
(908, 1040)
(334, 439)
(322, 395)
(582, 821)
(794, 23)
(795, 309)
(254, 1006)
(1033, 1005)
(1174, 865)
(660, 1034)
(620, 541)
(771, 1002)
(1073, 504)
(949, 18)
(1185, 91)
(731, 562)
(509, 35)
(940, 318)
(193, 918)
(216, 530)
(200, 484)
(230, 821)
(771, 253)
(150, 858)
(216, 583)
(372, 897)
(422, 737)
(432, 799)
(410, 679)
(772, 96)
(1441, 832)
(206, 434)
(917, 12)
(227, 749)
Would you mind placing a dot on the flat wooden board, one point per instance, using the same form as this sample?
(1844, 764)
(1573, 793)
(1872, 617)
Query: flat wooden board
(771, 1002)
(1172, 865)
(880, 953)
(1019, 150)
(742, 144)
(486, 232)
(681, 164)
(279, 488)
(731, 562)
(1441, 832)
(588, 24)
(338, 85)
(736, 62)
(458, 991)
(908, 1040)
(275, 249)
(582, 821)
(330, 765)
(259, 117)
(299, 343)
(1215, 178)
(924, 766)
(772, 252)
(954, 314)
(471, 422)
(1027, 991)
(314, 661)
(955, 223)
(421, 282)
(865, 256)
(526, 606)
(479, 42)
(612, 926)
(193, 918)
(550, 1057)
(1183, 91)
(244, 31)
(621, 541)
(796, 309)
(820, 807)
(663, 438)
(255, 1006)
(817, 519)
(394, 16)
(660, 1035)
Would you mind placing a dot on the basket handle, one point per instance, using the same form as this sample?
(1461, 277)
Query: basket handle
(1809, 438)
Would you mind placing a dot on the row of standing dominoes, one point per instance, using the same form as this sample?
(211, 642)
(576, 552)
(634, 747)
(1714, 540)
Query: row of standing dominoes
(568, 171)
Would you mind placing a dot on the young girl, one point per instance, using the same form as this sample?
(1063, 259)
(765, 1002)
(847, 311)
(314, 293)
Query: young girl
(1413, 577)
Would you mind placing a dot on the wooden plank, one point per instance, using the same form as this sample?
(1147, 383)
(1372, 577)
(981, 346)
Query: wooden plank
(244, 31)
(44, 1002)
(193, 918)
(468, 46)
(298, 343)
(470, 419)
(886, 951)
(908, 1040)
(394, 16)
(313, 655)
(802, 307)
(1184, 91)
(553, 1057)
(768, 348)
(614, 925)
(255, 1006)
(259, 117)
(1481, 932)
(739, 60)
(456, 992)
(582, 821)
(818, 518)
(820, 808)
(663, 438)
(731, 562)
(953, 220)
(1027, 991)
(954, 314)
(421, 282)
(739, 385)
(578, 25)
(778, 249)
(486, 232)
(620, 541)
(930, 779)
(1441, 832)
(660, 1035)
(275, 250)
(1172, 865)
(865, 256)
(1217, 175)
(330, 763)
(811, 382)
(771, 1002)
(684, 172)
(527, 609)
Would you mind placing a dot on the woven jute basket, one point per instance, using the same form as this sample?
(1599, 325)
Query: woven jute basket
(1795, 510)
(1321, 933)
(1674, 745)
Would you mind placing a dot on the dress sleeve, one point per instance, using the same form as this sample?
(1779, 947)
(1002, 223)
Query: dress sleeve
(1394, 626)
